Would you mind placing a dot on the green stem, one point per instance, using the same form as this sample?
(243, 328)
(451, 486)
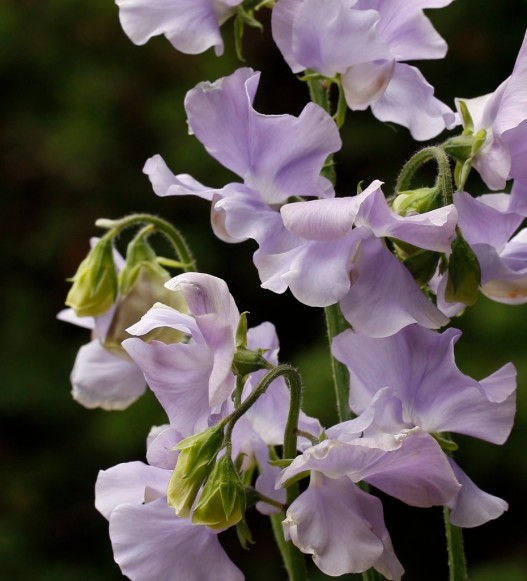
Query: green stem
(342, 107)
(293, 559)
(294, 382)
(238, 391)
(174, 236)
(444, 176)
(335, 324)
(319, 91)
(456, 554)
(372, 575)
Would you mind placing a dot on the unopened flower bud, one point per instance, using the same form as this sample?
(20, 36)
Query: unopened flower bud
(417, 201)
(195, 461)
(464, 274)
(142, 284)
(94, 286)
(222, 502)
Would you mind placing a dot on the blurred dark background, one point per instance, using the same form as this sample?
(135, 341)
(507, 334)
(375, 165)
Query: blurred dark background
(82, 108)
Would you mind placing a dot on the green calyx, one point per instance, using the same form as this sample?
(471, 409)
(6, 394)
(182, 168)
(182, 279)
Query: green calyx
(194, 464)
(222, 502)
(94, 287)
(463, 148)
(447, 444)
(246, 361)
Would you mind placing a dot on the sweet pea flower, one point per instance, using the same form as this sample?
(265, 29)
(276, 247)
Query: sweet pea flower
(342, 526)
(503, 115)
(411, 380)
(193, 377)
(364, 41)
(149, 541)
(341, 257)
(191, 26)
(490, 225)
(276, 156)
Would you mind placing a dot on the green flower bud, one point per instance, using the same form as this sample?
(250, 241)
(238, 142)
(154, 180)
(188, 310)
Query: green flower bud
(138, 254)
(417, 201)
(464, 273)
(222, 502)
(94, 286)
(142, 284)
(194, 464)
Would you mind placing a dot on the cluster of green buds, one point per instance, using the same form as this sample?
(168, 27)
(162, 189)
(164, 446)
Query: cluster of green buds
(222, 500)
(98, 286)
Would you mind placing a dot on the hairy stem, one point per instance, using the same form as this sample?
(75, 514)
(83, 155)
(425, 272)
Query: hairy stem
(335, 324)
(456, 553)
(293, 559)
(444, 175)
(174, 236)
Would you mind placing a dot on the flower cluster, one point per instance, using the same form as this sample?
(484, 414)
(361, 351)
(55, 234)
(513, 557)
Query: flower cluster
(391, 271)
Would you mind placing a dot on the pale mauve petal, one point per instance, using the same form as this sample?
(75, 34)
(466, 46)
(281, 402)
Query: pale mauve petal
(432, 230)
(503, 114)
(329, 36)
(326, 220)
(472, 507)
(409, 101)
(126, 483)
(191, 26)
(419, 365)
(328, 522)
(178, 374)
(278, 156)
(161, 450)
(413, 469)
(487, 219)
(408, 31)
(365, 83)
(69, 316)
(150, 542)
(165, 183)
(317, 273)
(384, 297)
(282, 21)
(101, 379)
